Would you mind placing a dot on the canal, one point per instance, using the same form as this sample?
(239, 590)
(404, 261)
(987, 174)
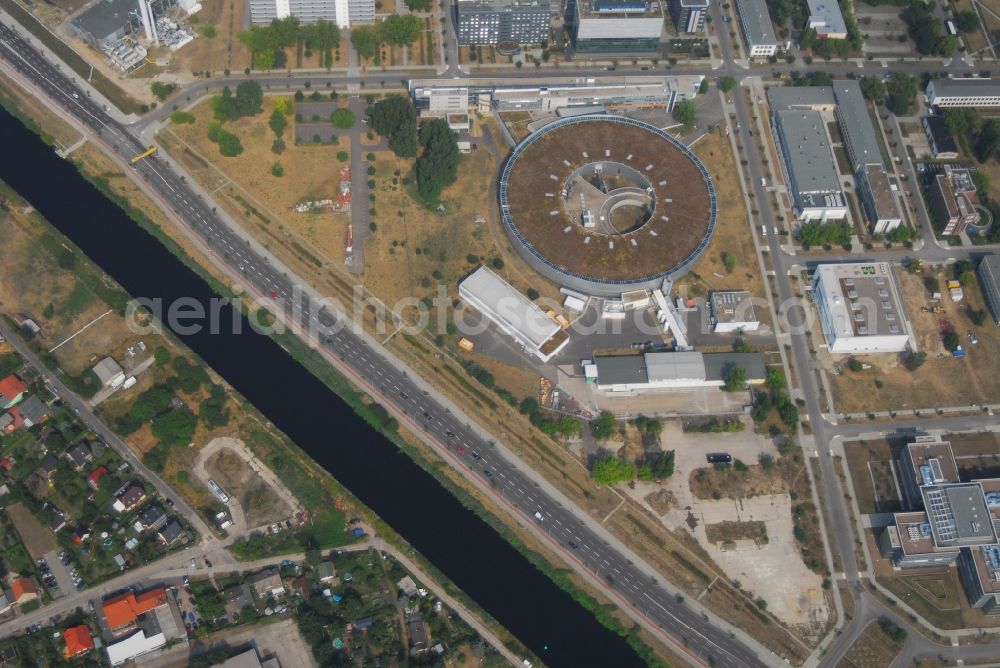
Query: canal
(473, 555)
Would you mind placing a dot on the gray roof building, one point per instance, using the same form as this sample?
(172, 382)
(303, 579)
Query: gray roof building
(716, 365)
(809, 164)
(105, 22)
(989, 281)
(152, 516)
(33, 410)
(958, 515)
(856, 126)
(79, 454)
(171, 532)
(939, 137)
(801, 97)
(495, 21)
(968, 92)
(757, 29)
(621, 370)
(826, 19)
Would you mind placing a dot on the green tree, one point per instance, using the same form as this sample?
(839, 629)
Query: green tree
(402, 30)
(343, 118)
(873, 89)
(685, 112)
(966, 21)
(176, 427)
(901, 90)
(789, 413)
(395, 118)
(321, 36)
(927, 32)
(729, 262)
(365, 40)
(726, 84)
(161, 355)
(277, 122)
(610, 470)
(229, 144)
(658, 467)
(914, 360)
(277, 170)
(988, 140)
(951, 341)
(437, 165)
(734, 378)
(960, 120)
(343, 156)
(775, 378)
(162, 90)
(603, 426)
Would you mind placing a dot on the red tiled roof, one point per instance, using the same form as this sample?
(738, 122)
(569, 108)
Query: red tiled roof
(22, 587)
(125, 608)
(11, 386)
(78, 640)
(95, 477)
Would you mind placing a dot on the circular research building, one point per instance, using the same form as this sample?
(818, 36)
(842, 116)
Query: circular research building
(605, 204)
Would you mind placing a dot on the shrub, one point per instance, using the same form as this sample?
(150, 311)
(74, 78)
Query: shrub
(343, 119)
(610, 470)
(603, 426)
(343, 156)
(277, 170)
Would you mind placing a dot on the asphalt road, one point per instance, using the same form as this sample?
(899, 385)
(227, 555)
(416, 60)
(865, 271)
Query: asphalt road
(568, 530)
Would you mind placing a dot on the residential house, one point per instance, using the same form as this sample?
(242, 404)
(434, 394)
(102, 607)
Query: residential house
(122, 612)
(78, 640)
(109, 372)
(33, 410)
(23, 590)
(152, 517)
(268, 583)
(326, 572)
(12, 390)
(48, 467)
(11, 421)
(363, 624)
(129, 497)
(418, 634)
(57, 519)
(79, 455)
(170, 533)
(407, 586)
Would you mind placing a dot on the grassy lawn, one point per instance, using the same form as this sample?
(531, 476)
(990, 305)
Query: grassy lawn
(932, 593)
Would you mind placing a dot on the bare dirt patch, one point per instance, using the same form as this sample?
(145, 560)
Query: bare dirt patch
(730, 532)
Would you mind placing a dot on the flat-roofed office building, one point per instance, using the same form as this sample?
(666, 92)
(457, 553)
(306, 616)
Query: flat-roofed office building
(689, 15)
(969, 92)
(618, 26)
(861, 308)
(494, 21)
(809, 165)
(758, 33)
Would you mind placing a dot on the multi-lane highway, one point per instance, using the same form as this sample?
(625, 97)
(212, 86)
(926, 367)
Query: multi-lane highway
(568, 530)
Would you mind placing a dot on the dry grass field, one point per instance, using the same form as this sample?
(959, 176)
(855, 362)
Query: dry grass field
(733, 234)
(222, 52)
(37, 539)
(943, 380)
(246, 185)
(874, 648)
(412, 242)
